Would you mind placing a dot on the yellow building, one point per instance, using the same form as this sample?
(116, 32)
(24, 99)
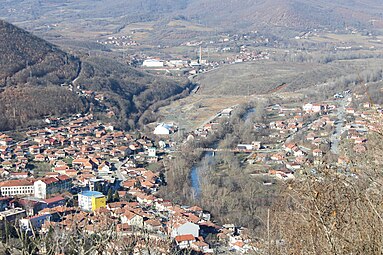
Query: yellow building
(91, 200)
(98, 202)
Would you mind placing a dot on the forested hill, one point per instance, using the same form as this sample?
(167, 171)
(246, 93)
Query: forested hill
(33, 70)
(30, 71)
(26, 58)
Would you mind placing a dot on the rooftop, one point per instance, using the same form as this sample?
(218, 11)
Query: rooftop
(92, 194)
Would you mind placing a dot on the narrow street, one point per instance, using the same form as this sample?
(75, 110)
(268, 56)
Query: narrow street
(335, 137)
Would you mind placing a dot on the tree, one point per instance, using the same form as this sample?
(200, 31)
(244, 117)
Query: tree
(110, 195)
(116, 197)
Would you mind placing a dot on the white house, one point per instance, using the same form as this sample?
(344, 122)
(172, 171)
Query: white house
(187, 228)
(307, 107)
(163, 129)
(184, 241)
(132, 219)
(152, 152)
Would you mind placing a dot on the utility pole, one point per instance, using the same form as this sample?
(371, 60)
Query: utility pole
(268, 231)
(200, 54)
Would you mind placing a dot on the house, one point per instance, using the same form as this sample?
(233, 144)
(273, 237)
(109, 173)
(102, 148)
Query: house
(19, 175)
(152, 152)
(132, 219)
(179, 229)
(307, 107)
(40, 158)
(200, 246)
(317, 153)
(163, 129)
(11, 216)
(153, 225)
(54, 201)
(184, 241)
(34, 222)
(245, 147)
(34, 150)
(226, 112)
(313, 108)
(91, 200)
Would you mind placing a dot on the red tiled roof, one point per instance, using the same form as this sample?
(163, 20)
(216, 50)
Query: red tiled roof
(11, 183)
(185, 238)
(53, 199)
(63, 177)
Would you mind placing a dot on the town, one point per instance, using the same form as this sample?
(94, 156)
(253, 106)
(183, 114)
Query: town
(84, 172)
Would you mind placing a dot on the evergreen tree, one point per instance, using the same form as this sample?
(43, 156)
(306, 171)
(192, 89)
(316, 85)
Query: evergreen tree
(116, 196)
(110, 195)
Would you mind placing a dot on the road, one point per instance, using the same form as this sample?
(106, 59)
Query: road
(335, 137)
(118, 169)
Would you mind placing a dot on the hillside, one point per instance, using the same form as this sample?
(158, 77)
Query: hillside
(32, 70)
(286, 13)
(90, 19)
(266, 77)
(29, 59)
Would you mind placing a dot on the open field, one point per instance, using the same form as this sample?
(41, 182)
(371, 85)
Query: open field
(186, 25)
(194, 110)
(356, 39)
(265, 76)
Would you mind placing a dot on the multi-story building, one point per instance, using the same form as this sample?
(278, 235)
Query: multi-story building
(48, 186)
(17, 188)
(91, 200)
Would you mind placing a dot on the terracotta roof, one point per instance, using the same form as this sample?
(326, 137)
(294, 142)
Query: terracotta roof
(63, 177)
(185, 238)
(49, 180)
(54, 199)
(11, 183)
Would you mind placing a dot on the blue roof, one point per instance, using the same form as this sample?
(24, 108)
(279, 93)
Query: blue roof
(91, 193)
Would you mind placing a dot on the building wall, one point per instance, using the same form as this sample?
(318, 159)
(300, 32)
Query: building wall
(98, 202)
(185, 229)
(17, 190)
(85, 202)
(40, 189)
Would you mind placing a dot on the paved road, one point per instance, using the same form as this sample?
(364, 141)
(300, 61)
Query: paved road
(335, 137)
(118, 169)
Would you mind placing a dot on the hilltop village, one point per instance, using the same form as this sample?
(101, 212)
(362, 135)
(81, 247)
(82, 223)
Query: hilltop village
(82, 172)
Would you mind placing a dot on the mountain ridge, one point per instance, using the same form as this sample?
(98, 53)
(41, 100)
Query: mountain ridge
(36, 80)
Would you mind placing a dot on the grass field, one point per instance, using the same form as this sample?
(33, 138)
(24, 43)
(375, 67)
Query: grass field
(194, 110)
(264, 77)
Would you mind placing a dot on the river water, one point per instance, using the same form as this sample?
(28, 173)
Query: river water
(207, 160)
(196, 170)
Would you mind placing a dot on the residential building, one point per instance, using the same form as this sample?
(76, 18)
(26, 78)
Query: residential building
(184, 241)
(179, 229)
(91, 200)
(46, 187)
(34, 222)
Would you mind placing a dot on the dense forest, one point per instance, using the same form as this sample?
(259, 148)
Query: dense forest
(25, 105)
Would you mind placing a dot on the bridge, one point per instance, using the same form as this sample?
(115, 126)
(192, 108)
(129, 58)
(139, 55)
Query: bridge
(223, 150)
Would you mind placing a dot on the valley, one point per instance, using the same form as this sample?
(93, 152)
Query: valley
(191, 127)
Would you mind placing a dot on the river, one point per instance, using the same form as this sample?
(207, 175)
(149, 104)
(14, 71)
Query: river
(207, 161)
(195, 173)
